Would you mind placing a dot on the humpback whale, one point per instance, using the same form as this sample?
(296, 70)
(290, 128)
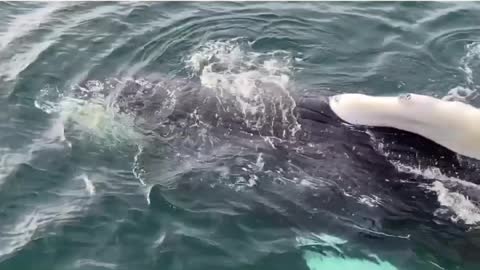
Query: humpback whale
(357, 142)
(352, 143)
(412, 129)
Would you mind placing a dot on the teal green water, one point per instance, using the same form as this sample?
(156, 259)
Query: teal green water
(81, 188)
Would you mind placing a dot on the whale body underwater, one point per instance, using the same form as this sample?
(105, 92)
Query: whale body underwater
(355, 146)
(358, 142)
(412, 129)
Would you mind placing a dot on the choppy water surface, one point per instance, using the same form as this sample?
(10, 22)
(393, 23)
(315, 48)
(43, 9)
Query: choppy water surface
(84, 185)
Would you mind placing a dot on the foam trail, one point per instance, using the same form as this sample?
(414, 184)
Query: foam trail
(137, 169)
(434, 173)
(463, 208)
(473, 54)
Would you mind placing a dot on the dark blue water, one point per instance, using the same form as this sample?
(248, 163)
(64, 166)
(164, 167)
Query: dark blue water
(83, 187)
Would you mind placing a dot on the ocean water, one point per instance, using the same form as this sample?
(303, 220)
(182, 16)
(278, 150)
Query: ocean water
(86, 186)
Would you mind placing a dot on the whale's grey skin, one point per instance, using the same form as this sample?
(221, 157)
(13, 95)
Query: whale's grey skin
(401, 146)
(345, 155)
(167, 106)
(331, 148)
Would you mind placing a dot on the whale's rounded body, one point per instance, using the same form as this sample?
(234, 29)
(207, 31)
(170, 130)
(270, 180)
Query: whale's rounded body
(327, 168)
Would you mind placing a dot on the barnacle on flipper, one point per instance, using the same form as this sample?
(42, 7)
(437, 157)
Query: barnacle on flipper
(405, 97)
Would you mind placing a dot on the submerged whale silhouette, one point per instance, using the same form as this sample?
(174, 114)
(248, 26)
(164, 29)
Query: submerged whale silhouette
(341, 140)
(412, 129)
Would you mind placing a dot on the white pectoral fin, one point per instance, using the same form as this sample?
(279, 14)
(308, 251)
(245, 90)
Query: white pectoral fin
(359, 109)
(447, 123)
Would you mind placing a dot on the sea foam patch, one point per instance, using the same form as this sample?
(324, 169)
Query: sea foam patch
(257, 83)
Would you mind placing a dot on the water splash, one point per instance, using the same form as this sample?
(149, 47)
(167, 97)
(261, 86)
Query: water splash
(468, 64)
(470, 60)
(259, 83)
(464, 209)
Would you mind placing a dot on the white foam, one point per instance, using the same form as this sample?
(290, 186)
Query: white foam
(434, 173)
(467, 64)
(473, 54)
(137, 169)
(232, 66)
(459, 93)
(371, 201)
(258, 82)
(89, 187)
(260, 162)
(463, 207)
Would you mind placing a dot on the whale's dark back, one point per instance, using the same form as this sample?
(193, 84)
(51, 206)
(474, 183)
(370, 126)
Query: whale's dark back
(396, 145)
(345, 163)
(167, 106)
